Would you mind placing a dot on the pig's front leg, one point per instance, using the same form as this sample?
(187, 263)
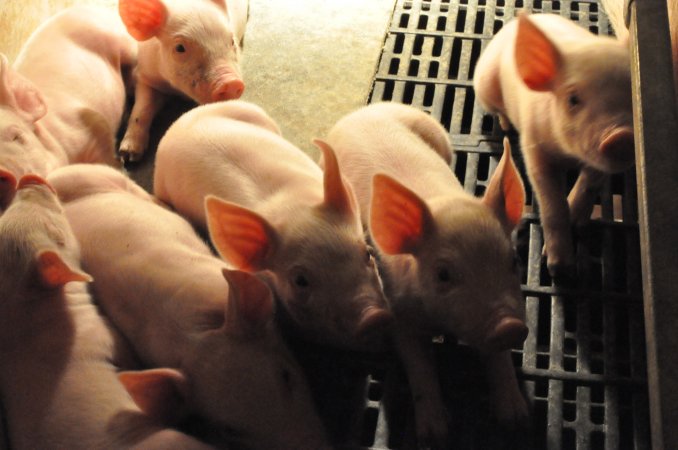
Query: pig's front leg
(509, 403)
(430, 414)
(147, 103)
(584, 194)
(548, 182)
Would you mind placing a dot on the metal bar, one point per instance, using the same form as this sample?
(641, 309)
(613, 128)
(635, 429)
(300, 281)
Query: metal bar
(656, 132)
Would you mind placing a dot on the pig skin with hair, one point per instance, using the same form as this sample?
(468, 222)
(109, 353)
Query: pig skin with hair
(568, 93)
(63, 100)
(58, 378)
(446, 257)
(190, 48)
(207, 331)
(274, 211)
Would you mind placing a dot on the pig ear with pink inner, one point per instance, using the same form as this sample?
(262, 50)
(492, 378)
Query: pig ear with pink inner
(537, 58)
(159, 393)
(250, 303)
(338, 193)
(505, 193)
(399, 218)
(242, 237)
(143, 18)
(20, 94)
(54, 272)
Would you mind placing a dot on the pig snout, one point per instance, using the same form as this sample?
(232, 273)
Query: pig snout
(227, 88)
(373, 320)
(33, 180)
(618, 146)
(505, 333)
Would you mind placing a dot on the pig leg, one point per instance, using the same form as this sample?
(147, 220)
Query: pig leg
(147, 103)
(508, 401)
(548, 183)
(584, 194)
(429, 410)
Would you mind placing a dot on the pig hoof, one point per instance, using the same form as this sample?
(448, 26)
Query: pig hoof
(129, 155)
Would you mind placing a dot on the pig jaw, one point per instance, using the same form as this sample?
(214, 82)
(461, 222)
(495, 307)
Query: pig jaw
(253, 389)
(328, 282)
(463, 280)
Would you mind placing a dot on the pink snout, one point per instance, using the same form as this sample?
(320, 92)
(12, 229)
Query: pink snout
(33, 179)
(373, 319)
(228, 89)
(508, 332)
(618, 146)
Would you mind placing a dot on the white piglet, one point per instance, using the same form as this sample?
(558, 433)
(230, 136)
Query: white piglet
(271, 209)
(63, 100)
(187, 47)
(446, 257)
(206, 332)
(58, 381)
(568, 93)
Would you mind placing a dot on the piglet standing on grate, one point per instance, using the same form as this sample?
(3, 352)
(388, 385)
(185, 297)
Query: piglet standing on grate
(64, 99)
(276, 213)
(187, 47)
(568, 93)
(446, 257)
(58, 382)
(207, 330)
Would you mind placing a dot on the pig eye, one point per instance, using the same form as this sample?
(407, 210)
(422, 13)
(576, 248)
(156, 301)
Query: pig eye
(573, 100)
(301, 281)
(443, 275)
(180, 48)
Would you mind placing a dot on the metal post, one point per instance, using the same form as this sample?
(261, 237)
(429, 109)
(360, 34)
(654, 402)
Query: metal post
(656, 136)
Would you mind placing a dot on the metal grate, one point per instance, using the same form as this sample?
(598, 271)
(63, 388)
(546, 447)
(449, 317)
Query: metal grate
(583, 365)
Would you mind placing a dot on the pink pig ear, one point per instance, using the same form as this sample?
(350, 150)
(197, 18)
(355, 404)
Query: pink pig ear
(242, 237)
(505, 193)
(537, 59)
(20, 94)
(338, 194)
(159, 393)
(250, 303)
(143, 18)
(7, 188)
(399, 218)
(54, 272)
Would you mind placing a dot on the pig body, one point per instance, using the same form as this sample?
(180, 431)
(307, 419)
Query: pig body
(58, 381)
(64, 98)
(279, 214)
(169, 298)
(446, 257)
(187, 47)
(568, 93)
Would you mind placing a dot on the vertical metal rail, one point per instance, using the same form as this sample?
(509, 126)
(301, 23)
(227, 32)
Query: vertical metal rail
(656, 132)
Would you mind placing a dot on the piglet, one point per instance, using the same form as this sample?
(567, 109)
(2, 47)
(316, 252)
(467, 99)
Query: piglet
(205, 331)
(64, 99)
(446, 257)
(271, 209)
(187, 47)
(57, 379)
(568, 93)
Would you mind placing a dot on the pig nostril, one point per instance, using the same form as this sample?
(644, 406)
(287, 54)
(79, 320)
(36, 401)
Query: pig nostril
(230, 90)
(509, 332)
(618, 145)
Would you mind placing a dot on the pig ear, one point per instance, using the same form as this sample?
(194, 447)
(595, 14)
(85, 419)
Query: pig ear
(537, 59)
(7, 188)
(338, 194)
(250, 303)
(159, 393)
(505, 193)
(399, 218)
(242, 237)
(143, 18)
(20, 94)
(54, 272)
